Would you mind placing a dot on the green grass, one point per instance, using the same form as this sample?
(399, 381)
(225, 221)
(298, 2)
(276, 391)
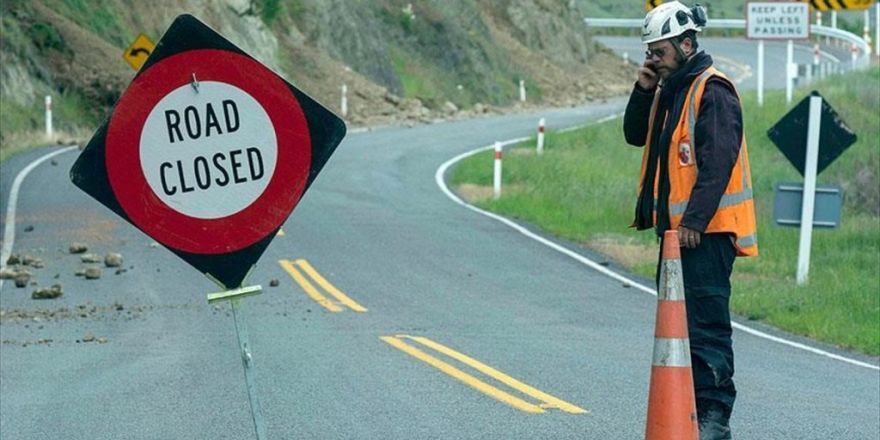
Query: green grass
(583, 188)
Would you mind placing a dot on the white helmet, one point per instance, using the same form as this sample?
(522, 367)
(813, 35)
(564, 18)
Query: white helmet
(671, 20)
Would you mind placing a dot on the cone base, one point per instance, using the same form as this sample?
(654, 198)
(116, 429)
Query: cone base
(672, 410)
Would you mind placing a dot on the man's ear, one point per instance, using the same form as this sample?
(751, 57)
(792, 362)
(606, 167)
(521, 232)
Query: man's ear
(687, 46)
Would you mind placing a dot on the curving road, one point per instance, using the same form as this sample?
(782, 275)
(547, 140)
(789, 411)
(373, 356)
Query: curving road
(455, 325)
(738, 58)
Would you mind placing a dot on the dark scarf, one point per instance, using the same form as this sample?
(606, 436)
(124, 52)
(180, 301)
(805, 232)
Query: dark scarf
(672, 95)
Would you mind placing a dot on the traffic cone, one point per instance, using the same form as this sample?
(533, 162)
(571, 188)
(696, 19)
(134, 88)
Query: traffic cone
(672, 412)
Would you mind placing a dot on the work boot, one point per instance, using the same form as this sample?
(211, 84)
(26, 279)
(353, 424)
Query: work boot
(713, 418)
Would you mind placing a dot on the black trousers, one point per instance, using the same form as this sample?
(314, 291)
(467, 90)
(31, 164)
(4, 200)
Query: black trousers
(706, 271)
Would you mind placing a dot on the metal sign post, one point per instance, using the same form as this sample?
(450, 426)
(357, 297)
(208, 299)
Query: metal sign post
(803, 267)
(234, 297)
(760, 73)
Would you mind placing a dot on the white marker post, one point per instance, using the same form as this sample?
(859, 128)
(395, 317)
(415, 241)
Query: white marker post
(809, 197)
(344, 104)
(816, 53)
(854, 55)
(49, 131)
(522, 91)
(497, 175)
(877, 29)
(540, 146)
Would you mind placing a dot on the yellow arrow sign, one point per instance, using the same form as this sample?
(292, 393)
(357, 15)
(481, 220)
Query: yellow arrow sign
(830, 5)
(138, 51)
(651, 4)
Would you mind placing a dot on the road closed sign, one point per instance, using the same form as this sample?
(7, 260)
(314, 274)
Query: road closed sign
(208, 151)
(777, 20)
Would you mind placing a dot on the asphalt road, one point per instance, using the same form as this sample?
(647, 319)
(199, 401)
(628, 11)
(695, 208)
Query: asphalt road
(738, 58)
(165, 365)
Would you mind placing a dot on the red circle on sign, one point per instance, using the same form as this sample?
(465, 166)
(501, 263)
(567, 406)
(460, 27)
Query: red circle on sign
(197, 235)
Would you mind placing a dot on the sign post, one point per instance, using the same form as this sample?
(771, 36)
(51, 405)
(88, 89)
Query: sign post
(811, 136)
(208, 152)
(803, 267)
(777, 21)
(234, 297)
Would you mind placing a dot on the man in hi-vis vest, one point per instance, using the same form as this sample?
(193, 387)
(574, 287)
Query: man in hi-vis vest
(695, 179)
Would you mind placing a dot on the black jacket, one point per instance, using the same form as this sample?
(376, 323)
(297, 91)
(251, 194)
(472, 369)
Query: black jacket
(718, 133)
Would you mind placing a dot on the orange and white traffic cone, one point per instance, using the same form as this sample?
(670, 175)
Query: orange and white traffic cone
(672, 412)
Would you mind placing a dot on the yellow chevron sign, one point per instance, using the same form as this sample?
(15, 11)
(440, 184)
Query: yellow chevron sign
(830, 5)
(651, 4)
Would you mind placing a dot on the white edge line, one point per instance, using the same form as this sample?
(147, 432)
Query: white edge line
(9, 227)
(441, 171)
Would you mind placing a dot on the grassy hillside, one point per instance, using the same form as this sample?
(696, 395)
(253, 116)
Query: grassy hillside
(583, 188)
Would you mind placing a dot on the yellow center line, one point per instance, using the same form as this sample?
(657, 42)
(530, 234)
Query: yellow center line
(472, 381)
(308, 287)
(343, 298)
(549, 401)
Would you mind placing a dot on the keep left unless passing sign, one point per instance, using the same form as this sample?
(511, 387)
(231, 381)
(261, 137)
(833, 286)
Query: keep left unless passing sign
(208, 151)
(777, 20)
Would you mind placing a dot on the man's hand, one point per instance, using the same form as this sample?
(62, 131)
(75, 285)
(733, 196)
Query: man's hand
(647, 76)
(688, 238)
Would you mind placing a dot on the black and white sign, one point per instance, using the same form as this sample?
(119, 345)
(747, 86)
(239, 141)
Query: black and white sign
(777, 20)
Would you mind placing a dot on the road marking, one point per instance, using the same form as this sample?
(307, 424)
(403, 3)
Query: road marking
(9, 227)
(312, 292)
(441, 182)
(547, 401)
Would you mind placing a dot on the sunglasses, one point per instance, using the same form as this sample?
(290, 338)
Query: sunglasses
(659, 53)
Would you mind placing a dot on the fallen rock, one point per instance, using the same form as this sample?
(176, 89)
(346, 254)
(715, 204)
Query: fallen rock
(90, 258)
(80, 273)
(13, 260)
(29, 228)
(51, 293)
(93, 273)
(113, 259)
(89, 338)
(78, 248)
(36, 263)
(22, 278)
(7, 273)
(274, 282)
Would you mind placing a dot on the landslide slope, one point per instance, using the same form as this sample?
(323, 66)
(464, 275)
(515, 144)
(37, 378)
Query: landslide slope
(400, 61)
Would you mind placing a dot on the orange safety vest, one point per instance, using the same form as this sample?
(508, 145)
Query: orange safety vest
(736, 210)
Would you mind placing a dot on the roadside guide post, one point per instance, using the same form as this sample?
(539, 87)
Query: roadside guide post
(343, 105)
(208, 152)
(811, 136)
(496, 174)
(540, 145)
(49, 131)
